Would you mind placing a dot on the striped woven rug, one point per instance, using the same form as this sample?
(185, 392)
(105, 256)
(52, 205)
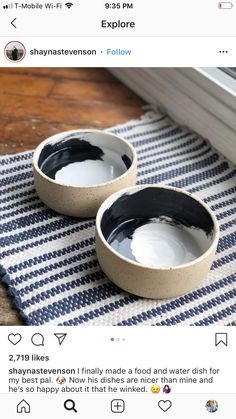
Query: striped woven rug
(49, 262)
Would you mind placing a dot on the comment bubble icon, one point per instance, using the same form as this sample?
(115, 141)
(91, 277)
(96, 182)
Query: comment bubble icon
(37, 339)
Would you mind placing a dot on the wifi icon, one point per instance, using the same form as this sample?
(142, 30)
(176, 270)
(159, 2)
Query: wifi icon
(68, 5)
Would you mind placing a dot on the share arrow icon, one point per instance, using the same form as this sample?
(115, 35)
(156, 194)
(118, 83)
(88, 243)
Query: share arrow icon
(61, 337)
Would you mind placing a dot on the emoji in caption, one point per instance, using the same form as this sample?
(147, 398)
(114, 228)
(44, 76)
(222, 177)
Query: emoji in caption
(166, 389)
(61, 380)
(155, 389)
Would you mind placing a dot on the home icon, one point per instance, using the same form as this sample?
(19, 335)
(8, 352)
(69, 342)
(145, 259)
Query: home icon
(23, 407)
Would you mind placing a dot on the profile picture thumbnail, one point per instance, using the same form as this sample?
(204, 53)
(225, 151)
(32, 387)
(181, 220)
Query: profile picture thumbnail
(15, 51)
(212, 406)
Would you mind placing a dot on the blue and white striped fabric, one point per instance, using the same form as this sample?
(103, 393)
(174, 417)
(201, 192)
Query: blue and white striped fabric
(49, 262)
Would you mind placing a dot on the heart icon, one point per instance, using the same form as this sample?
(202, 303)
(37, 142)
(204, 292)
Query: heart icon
(164, 405)
(14, 338)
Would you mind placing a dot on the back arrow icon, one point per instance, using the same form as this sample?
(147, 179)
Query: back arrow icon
(12, 22)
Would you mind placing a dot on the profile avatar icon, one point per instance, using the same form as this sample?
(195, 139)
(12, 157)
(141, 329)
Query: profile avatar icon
(212, 406)
(166, 389)
(14, 51)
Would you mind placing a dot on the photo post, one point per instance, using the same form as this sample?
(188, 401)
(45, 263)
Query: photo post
(117, 209)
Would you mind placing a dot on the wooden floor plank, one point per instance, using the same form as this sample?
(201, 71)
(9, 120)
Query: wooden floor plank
(56, 110)
(89, 74)
(11, 85)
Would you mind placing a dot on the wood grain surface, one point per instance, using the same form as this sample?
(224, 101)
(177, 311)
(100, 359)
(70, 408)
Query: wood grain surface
(37, 103)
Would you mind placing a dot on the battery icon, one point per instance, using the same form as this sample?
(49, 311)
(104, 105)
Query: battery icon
(225, 5)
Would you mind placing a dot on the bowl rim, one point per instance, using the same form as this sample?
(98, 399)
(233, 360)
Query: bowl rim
(40, 146)
(115, 195)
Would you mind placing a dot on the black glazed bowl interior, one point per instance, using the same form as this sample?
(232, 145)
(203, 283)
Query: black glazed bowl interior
(157, 226)
(75, 171)
(84, 158)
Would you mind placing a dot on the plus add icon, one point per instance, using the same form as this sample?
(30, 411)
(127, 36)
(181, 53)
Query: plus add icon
(117, 406)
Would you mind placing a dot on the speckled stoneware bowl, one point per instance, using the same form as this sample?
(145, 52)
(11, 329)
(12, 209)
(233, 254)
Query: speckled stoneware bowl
(75, 171)
(155, 241)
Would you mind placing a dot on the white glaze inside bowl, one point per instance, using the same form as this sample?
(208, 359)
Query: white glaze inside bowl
(90, 172)
(159, 243)
(85, 158)
(157, 227)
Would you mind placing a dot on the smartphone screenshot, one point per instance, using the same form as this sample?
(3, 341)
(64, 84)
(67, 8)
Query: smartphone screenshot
(117, 209)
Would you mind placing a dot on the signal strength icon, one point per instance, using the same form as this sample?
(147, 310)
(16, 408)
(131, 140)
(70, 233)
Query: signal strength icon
(8, 6)
(68, 5)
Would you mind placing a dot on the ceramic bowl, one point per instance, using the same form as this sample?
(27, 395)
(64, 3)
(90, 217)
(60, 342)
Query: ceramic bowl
(155, 241)
(75, 171)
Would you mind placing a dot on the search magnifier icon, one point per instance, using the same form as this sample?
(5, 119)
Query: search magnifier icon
(70, 405)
